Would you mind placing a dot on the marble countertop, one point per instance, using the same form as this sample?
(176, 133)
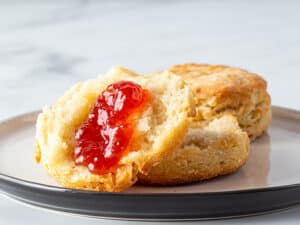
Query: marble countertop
(46, 46)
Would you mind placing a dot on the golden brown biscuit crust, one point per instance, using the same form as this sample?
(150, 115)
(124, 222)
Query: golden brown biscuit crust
(207, 80)
(222, 89)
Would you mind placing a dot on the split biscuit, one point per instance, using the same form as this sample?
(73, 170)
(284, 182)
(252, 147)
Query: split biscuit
(162, 128)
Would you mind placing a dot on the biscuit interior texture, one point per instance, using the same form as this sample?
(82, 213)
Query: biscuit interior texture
(218, 148)
(221, 89)
(161, 129)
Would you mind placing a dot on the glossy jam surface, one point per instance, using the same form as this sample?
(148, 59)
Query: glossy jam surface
(106, 135)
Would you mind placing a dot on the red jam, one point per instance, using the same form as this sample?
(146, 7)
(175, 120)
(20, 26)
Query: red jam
(106, 135)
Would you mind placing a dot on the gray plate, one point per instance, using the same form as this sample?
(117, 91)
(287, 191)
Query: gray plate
(269, 181)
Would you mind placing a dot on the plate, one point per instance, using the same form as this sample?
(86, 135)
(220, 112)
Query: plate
(270, 180)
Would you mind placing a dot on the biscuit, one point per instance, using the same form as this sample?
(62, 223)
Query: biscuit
(162, 127)
(218, 148)
(221, 89)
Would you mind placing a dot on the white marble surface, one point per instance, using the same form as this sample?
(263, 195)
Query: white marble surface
(46, 46)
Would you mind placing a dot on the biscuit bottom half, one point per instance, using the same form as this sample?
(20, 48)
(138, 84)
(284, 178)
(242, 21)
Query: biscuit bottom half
(161, 128)
(219, 148)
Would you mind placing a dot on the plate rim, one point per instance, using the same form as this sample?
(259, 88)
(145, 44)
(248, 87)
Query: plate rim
(50, 188)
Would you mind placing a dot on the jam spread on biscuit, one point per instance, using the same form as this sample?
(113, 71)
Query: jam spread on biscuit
(106, 135)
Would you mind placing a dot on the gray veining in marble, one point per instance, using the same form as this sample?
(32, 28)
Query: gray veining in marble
(46, 46)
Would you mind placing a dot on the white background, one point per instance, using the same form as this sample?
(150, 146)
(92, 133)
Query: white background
(46, 46)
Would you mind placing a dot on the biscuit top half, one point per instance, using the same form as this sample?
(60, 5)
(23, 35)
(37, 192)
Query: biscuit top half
(215, 80)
